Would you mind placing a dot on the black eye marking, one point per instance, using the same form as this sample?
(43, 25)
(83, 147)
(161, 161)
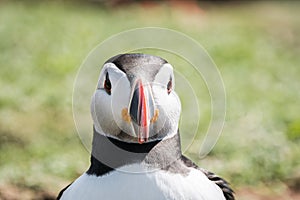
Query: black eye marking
(169, 86)
(107, 84)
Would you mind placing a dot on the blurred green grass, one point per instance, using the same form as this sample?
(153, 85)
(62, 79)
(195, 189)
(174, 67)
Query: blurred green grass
(255, 45)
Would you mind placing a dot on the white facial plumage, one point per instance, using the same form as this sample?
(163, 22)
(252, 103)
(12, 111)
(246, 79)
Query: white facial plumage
(107, 107)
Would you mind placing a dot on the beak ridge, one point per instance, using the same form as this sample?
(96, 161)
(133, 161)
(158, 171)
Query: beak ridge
(141, 110)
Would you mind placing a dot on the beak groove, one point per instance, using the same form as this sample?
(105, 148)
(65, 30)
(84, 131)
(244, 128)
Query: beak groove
(141, 110)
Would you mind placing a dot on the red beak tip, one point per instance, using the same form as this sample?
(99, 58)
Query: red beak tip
(141, 141)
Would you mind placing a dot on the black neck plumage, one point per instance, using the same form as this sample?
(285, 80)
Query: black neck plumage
(109, 153)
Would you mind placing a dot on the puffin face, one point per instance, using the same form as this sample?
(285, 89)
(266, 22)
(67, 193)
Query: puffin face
(135, 99)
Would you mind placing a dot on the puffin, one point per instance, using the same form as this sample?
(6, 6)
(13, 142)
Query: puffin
(136, 152)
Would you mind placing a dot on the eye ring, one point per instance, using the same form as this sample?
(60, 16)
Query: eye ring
(107, 84)
(169, 86)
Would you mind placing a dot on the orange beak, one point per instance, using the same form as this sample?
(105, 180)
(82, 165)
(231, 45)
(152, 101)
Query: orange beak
(141, 110)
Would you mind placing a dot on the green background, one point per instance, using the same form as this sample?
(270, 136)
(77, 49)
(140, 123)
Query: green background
(256, 47)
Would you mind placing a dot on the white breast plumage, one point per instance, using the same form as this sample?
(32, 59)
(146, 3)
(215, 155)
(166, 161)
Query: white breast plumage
(158, 185)
(136, 113)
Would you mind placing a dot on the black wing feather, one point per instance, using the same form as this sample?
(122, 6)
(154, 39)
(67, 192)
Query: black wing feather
(62, 191)
(223, 184)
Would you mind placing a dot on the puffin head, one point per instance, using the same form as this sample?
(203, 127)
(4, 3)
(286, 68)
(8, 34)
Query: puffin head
(135, 99)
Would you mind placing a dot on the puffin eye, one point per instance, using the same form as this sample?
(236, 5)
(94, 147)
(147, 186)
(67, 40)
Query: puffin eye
(107, 84)
(169, 86)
